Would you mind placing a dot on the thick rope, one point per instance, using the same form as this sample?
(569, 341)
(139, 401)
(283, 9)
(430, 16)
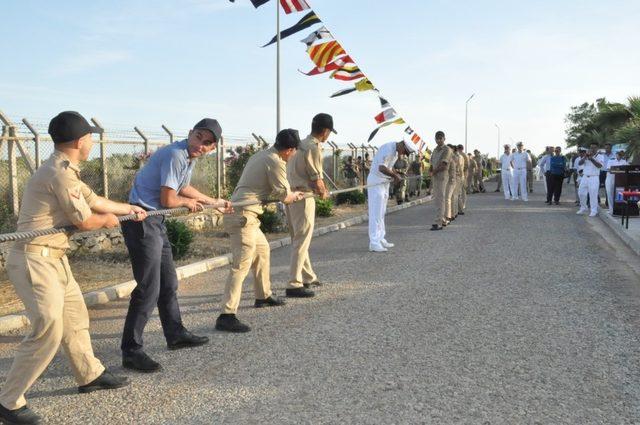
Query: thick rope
(16, 236)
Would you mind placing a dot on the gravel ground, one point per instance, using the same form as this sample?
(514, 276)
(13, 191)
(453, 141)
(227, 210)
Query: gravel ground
(516, 313)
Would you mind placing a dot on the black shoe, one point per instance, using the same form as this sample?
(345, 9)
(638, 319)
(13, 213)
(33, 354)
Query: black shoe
(312, 284)
(106, 381)
(557, 202)
(461, 213)
(186, 340)
(435, 227)
(497, 190)
(548, 202)
(23, 415)
(300, 293)
(140, 362)
(230, 323)
(269, 302)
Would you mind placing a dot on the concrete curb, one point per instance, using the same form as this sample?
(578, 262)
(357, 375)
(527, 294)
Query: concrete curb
(618, 229)
(14, 322)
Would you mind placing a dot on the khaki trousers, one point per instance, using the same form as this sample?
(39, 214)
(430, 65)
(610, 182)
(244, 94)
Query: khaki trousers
(450, 191)
(250, 251)
(301, 216)
(55, 307)
(438, 192)
(462, 199)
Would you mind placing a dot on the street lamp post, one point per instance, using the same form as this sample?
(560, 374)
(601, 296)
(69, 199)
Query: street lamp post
(466, 116)
(498, 127)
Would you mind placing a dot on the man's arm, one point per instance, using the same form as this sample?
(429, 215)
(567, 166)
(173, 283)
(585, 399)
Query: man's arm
(389, 172)
(595, 162)
(104, 206)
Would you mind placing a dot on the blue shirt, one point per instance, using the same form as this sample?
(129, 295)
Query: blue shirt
(557, 165)
(168, 166)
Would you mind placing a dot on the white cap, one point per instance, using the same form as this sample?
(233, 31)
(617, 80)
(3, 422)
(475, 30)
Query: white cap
(408, 143)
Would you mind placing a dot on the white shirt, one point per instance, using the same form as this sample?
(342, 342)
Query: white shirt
(588, 169)
(387, 155)
(615, 162)
(520, 160)
(607, 159)
(505, 162)
(545, 163)
(576, 164)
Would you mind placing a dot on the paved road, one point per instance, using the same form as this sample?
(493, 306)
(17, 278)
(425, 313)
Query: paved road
(517, 313)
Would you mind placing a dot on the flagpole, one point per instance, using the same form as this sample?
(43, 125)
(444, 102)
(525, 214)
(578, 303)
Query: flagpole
(277, 66)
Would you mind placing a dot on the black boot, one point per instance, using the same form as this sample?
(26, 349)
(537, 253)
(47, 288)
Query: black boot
(139, 361)
(269, 302)
(186, 340)
(23, 415)
(230, 323)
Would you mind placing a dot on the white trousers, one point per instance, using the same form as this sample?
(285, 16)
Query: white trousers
(519, 182)
(609, 185)
(378, 197)
(507, 177)
(589, 185)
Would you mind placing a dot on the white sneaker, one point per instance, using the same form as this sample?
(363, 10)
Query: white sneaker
(593, 215)
(386, 244)
(374, 247)
(581, 211)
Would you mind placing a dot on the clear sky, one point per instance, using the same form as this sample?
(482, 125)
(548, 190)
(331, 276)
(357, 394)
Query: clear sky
(146, 63)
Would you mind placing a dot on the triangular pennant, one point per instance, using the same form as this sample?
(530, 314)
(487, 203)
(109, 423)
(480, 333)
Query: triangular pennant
(290, 6)
(318, 35)
(308, 20)
(386, 115)
(374, 132)
(336, 64)
(322, 54)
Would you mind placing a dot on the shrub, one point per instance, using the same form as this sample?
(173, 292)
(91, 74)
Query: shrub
(7, 219)
(354, 197)
(236, 162)
(324, 207)
(180, 237)
(270, 221)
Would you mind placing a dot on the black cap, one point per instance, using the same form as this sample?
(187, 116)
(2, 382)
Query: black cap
(323, 121)
(68, 126)
(287, 139)
(210, 124)
(460, 147)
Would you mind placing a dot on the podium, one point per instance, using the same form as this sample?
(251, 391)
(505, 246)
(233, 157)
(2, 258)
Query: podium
(627, 179)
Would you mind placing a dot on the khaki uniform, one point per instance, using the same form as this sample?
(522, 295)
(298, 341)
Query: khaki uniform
(479, 176)
(263, 177)
(464, 184)
(439, 181)
(451, 186)
(303, 168)
(39, 271)
(471, 181)
(401, 167)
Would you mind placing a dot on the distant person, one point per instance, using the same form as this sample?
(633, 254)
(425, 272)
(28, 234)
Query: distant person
(610, 180)
(557, 167)
(519, 182)
(506, 172)
(439, 172)
(592, 162)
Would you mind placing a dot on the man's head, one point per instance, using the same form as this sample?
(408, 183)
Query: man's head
(507, 149)
(287, 142)
(452, 147)
(349, 159)
(322, 127)
(460, 148)
(549, 150)
(557, 150)
(366, 155)
(620, 155)
(519, 146)
(607, 148)
(402, 148)
(440, 138)
(70, 131)
(593, 148)
(204, 137)
(582, 151)
(476, 152)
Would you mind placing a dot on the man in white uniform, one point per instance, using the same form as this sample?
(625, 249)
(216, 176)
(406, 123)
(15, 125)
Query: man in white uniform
(545, 165)
(610, 181)
(380, 175)
(506, 172)
(519, 182)
(590, 183)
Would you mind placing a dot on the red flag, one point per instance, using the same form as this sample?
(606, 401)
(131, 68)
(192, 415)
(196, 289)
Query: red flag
(290, 6)
(336, 64)
(385, 115)
(323, 54)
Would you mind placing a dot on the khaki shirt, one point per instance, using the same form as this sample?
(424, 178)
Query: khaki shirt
(264, 177)
(478, 159)
(305, 166)
(453, 167)
(473, 165)
(441, 154)
(465, 168)
(460, 167)
(55, 197)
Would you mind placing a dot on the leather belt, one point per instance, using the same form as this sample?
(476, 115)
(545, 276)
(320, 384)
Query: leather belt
(45, 251)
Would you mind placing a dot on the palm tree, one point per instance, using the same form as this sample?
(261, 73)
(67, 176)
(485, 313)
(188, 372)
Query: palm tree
(629, 131)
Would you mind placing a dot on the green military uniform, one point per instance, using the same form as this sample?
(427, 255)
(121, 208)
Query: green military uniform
(441, 154)
(415, 170)
(264, 177)
(401, 167)
(39, 271)
(304, 168)
(350, 174)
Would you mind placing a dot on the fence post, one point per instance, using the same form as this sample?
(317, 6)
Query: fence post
(164, 127)
(103, 159)
(13, 171)
(333, 159)
(36, 141)
(223, 175)
(146, 140)
(5, 133)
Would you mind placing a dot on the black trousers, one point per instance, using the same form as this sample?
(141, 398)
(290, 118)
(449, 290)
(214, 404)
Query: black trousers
(554, 187)
(155, 273)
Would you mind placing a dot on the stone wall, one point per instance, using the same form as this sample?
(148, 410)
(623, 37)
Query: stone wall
(108, 240)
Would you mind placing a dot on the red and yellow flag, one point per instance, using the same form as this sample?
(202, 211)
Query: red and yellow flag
(325, 53)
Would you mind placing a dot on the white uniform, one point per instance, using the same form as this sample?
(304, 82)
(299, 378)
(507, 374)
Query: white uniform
(544, 165)
(609, 183)
(379, 195)
(590, 185)
(519, 181)
(506, 171)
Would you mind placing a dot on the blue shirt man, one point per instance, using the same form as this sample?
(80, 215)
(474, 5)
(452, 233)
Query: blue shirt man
(557, 165)
(170, 167)
(162, 183)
